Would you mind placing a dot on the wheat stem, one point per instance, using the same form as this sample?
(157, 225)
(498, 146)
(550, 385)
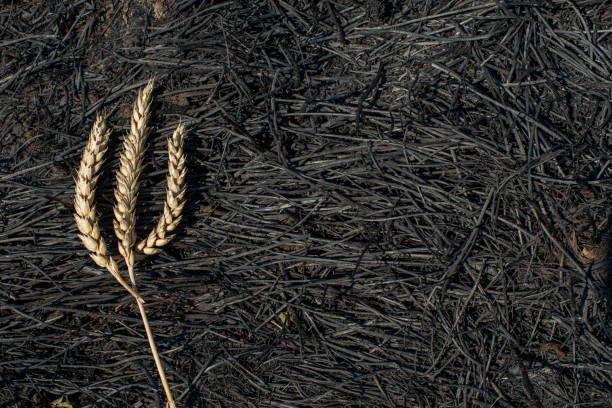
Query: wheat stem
(126, 191)
(158, 362)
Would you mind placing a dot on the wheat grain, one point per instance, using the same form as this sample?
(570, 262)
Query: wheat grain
(128, 174)
(175, 197)
(84, 207)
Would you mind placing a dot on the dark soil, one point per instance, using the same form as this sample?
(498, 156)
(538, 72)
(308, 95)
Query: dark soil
(420, 190)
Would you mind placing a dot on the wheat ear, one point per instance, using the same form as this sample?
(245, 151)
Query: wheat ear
(175, 197)
(126, 192)
(84, 207)
(128, 174)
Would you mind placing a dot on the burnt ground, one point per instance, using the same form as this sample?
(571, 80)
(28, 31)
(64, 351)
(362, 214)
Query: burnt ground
(420, 191)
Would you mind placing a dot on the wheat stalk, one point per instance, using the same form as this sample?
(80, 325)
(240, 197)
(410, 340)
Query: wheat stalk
(126, 192)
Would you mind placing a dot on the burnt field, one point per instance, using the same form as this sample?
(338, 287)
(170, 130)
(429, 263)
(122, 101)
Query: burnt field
(389, 203)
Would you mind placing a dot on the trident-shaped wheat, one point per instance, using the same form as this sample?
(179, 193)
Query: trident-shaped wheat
(126, 192)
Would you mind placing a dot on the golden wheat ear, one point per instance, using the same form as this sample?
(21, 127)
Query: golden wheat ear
(128, 176)
(84, 206)
(175, 196)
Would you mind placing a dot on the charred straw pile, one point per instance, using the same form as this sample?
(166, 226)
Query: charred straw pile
(389, 203)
